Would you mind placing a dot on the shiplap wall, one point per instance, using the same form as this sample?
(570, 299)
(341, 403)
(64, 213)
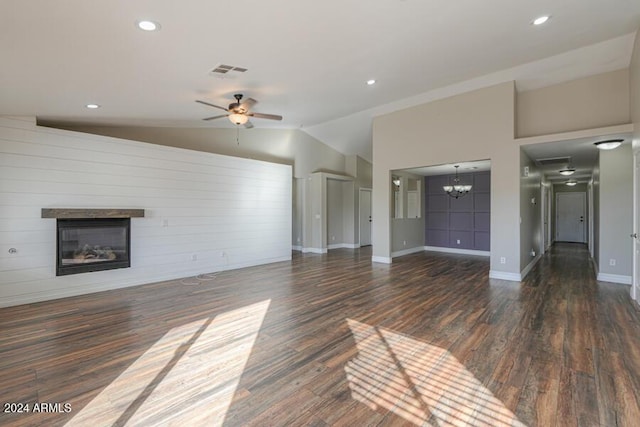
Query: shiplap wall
(203, 212)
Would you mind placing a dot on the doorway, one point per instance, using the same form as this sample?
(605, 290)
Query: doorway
(365, 217)
(570, 217)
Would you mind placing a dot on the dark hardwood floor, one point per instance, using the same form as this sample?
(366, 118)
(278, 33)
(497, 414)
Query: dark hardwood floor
(332, 340)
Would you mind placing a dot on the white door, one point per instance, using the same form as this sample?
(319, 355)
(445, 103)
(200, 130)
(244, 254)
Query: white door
(365, 217)
(571, 217)
(635, 288)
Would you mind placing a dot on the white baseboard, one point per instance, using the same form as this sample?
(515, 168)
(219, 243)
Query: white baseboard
(614, 278)
(296, 248)
(457, 251)
(503, 275)
(381, 259)
(314, 250)
(530, 266)
(344, 246)
(407, 251)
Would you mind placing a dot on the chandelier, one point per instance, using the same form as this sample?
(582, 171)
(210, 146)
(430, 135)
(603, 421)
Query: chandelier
(456, 190)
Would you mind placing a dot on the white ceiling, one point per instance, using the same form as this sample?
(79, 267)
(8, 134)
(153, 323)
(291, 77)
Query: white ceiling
(306, 60)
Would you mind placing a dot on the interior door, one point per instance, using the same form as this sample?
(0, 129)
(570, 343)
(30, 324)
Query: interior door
(635, 288)
(365, 217)
(571, 217)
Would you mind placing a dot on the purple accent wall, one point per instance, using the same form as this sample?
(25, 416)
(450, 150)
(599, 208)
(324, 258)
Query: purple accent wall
(465, 220)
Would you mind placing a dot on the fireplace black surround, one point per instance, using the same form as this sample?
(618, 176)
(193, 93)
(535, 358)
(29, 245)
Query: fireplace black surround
(95, 244)
(92, 239)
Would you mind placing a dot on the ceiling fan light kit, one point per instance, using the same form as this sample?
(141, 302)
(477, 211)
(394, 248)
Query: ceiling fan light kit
(238, 119)
(239, 112)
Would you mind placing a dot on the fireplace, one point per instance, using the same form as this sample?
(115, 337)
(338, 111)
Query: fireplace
(92, 239)
(95, 244)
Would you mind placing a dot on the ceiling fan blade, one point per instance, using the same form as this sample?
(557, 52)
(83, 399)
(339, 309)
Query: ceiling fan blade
(248, 124)
(265, 116)
(211, 105)
(248, 103)
(215, 117)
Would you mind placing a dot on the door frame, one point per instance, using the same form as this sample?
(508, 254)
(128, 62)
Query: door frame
(635, 255)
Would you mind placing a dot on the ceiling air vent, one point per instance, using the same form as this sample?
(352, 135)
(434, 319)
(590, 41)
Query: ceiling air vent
(553, 161)
(223, 69)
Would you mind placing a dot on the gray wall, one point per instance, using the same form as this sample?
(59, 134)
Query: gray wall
(595, 184)
(530, 211)
(407, 233)
(616, 211)
(476, 125)
(467, 219)
(589, 102)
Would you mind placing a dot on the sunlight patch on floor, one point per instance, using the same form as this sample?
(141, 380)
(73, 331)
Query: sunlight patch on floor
(189, 376)
(419, 382)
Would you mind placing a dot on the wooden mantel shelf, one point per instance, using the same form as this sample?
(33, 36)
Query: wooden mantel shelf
(70, 213)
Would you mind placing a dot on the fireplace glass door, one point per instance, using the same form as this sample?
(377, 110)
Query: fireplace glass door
(92, 245)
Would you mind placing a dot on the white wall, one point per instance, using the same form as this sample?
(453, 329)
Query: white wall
(227, 212)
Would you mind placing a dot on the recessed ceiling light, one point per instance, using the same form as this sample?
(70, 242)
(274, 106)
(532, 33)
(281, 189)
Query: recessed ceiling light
(609, 144)
(92, 106)
(371, 82)
(541, 20)
(148, 25)
(571, 183)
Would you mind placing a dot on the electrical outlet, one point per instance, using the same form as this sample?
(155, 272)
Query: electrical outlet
(533, 253)
(612, 262)
(503, 260)
(404, 242)
(458, 242)
(194, 257)
(333, 238)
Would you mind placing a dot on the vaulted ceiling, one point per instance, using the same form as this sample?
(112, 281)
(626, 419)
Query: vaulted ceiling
(306, 60)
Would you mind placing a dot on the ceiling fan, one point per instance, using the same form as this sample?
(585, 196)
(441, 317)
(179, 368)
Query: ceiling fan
(239, 112)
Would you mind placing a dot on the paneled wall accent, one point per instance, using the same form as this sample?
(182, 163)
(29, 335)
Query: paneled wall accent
(203, 212)
(458, 223)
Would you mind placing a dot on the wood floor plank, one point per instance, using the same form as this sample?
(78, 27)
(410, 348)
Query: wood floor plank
(334, 340)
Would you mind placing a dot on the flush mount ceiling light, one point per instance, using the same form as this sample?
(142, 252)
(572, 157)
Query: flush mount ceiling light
(541, 20)
(371, 82)
(609, 144)
(147, 25)
(569, 170)
(92, 106)
(456, 190)
(571, 183)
